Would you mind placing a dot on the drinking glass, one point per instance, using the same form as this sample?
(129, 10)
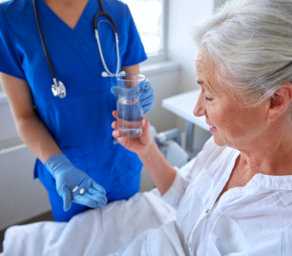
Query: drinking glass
(130, 112)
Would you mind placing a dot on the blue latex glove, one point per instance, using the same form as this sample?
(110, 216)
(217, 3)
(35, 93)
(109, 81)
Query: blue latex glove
(73, 185)
(146, 95)
(145, 92)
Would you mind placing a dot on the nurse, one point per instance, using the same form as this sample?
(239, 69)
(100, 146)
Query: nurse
(70, 132)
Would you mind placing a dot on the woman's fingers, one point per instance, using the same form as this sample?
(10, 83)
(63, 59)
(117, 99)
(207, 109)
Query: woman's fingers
(115, 125)
(135, 144)
(116, 134)
(145, 124)
(115, 114)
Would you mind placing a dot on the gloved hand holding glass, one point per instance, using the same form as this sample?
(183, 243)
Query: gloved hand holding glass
(135, 97)
(73, 185)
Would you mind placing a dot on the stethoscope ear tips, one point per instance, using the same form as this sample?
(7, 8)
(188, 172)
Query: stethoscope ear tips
(104, 74)
(122, 73)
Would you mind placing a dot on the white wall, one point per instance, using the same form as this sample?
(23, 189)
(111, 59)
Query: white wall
(165, 78)
(184, 15)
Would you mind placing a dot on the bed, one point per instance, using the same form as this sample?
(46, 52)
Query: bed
(97, 232)
(82, 234)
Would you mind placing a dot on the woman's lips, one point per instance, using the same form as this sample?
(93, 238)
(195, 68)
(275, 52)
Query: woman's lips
(213, 129)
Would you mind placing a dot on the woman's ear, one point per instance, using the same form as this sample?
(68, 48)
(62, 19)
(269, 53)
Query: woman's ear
(279, 102)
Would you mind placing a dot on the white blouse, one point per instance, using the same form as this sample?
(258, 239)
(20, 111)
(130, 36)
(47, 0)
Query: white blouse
(252, 220)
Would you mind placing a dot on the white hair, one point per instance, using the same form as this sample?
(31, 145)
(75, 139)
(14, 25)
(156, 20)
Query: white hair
(250, 42)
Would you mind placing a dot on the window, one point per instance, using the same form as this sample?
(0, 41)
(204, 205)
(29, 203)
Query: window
(149, 16)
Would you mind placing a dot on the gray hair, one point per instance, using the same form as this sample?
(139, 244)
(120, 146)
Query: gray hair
(250, 42)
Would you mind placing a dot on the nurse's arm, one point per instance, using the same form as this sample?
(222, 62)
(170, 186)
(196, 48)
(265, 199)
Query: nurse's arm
(134, 69)
(31, 129)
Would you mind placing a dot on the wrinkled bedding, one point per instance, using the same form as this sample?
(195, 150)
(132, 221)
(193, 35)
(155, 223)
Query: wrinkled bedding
(100, 231)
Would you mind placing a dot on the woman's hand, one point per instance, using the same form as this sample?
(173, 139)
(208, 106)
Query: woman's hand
(160, 171)
(138, 145)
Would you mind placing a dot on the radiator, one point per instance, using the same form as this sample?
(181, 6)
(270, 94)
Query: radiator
(21, 196)
(11, 145)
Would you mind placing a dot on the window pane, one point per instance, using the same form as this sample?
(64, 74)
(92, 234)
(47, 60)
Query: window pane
(148, 19)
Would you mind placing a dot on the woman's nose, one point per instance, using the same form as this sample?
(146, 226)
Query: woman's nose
(199, 109)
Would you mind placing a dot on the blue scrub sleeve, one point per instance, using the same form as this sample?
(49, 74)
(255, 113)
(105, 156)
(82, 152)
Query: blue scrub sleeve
(9, 59)
(135, 52)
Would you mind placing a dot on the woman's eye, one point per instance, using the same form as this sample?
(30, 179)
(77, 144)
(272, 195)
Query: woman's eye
(208, 98)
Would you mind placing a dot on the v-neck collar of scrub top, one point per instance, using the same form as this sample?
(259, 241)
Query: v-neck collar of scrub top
(60, 24)
(78, 37)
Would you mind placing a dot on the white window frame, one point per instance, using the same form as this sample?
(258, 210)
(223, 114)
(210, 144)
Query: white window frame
(162, 54)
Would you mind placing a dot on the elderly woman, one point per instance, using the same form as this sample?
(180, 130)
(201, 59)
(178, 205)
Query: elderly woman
(236, 198)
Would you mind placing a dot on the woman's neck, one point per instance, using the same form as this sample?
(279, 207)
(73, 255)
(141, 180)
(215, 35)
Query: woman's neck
(69, 11)
(271, 157)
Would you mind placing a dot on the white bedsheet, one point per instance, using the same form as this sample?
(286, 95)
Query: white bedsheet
(98, 232)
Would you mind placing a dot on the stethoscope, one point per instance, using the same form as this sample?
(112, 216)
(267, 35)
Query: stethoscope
(58, 88)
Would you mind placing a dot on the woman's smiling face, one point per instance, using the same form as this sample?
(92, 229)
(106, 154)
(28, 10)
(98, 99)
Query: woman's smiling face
(232, 122)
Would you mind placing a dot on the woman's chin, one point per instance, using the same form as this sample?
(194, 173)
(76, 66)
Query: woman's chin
(218, 140)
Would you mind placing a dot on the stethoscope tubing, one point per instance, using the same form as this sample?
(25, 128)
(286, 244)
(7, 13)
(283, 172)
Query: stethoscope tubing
(114, 27)
(58, 87)
(103, 13)
(108, 73)
(44, 44)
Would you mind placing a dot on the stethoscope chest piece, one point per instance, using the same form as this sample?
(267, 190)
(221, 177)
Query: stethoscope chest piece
(59, 89)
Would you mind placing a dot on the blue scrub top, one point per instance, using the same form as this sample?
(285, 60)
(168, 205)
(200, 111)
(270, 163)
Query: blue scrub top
(81, 122)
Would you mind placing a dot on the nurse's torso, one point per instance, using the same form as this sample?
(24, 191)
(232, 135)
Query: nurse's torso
(81, 122)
